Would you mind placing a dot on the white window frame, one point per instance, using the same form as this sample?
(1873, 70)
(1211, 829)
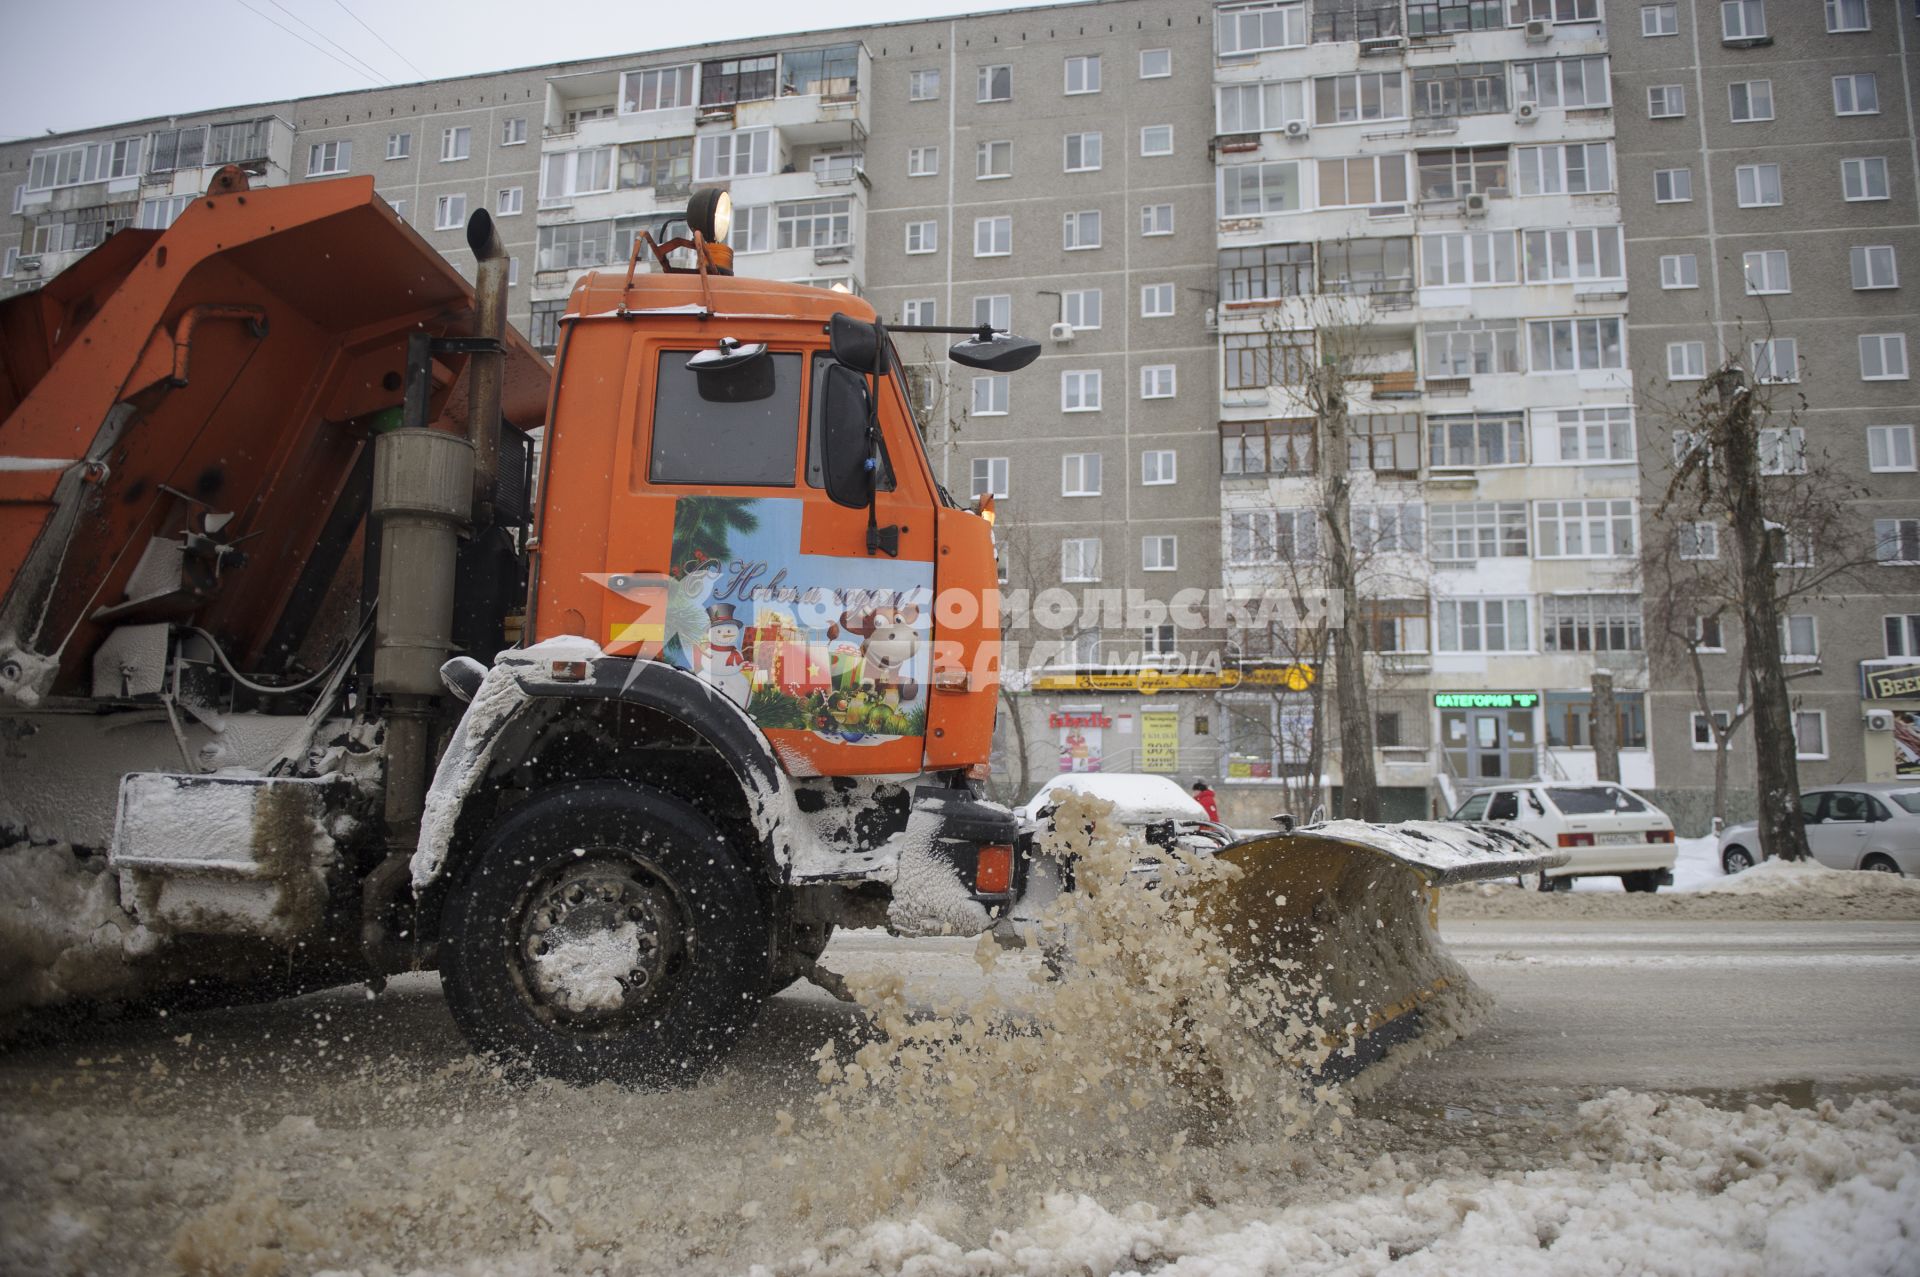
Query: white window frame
(399, 146)
(1264, 106)
(1284, 21)
(1790, 654)
(1080, 308)
(1692, 364)
(1892, 534)
(1087, 144)
(1615, 441)
(561, 175)
(1150, 217)
(1469, 259)
(1863, 165)
(680, 78)
(1890, 348)
(999, 311)
(923, 237)
(1158, 381)
(1088, 79)
(1819, 718)
(1886, 442)
(923, 161)
(1851, 105)
(1080, 392)
(510, 201)
(1152, 298)
(1149, 151)
(1751, 186)
(1705, 543)
(983, 157)
(984, 78)
(1702, 734)
(996, 233)
(1448, 638)
(456, 143)
(1782, 450)
(994, 471)
(450, 211)
(325, 159)
(722, 157)
(1749, 16)
(1578, 322)
(1163, 60)
(1612, 523)
(513, 131)
(1159, 552)
(998, 395)
(1233, 194)
(1907, 626)
(1674, 276)
(1355, 86)
(1675, 179)
(1764, 356)
(1080, 474)
(1759, 95)
(1080, 230)
(1873, 267)
(1164, 470)
(1567, 251)
(1666, 101)
(920, 310)
(1074, 555)
(1836, 9)
(1531, 169)
(1767, 272)
(1659, 20)
(923, 85)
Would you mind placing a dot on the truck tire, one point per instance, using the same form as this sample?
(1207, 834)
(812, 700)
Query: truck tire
(603, 932)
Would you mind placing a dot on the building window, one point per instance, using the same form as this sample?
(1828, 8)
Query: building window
(1156, 301)
(1483, 625)
(1258, 360)
(1083, 74)
(1156, 64)
(1367, 267)
(1750, 101)
(1080, 308)
(1265, 273)
(1704, 733)
(1398, 528)
(1699, 542)
(1864, 179)
(664, 166)
(1575, 345)
(1743, 19)
(1080, 392)
(994, 311)
(543, 328)
(1799, 639)
(1776, 360)
(923, 161)
(1757, 185)
(1767, 272)
(1462, 531)
(1666, 101)
(513, 132)
(1896, 541)
(1156, 139)
(1258, 108)
(1847, 15)
(1672, 185)
(814, 224)
(992, 159)
(1809, 733)
(159, 213)
(1251, 190)
(1467, 259)
(923, 237)
(1443, 17)
(1082, 152)
(1156, 382)
(1159, 554)
(1659, 19)
(1577, 255)
(920, 310)
(724, 81)
(399, 145)
(1467, 88)
(1462, 171)
(992, 236)
(752, 229)
(990, 477)
(1680, 270)
(995, 84)
(449, 212)
(719, 157)
(1591, 623)
(573, 245)
(1081, 230)
(1259, 27)
(456, 144)
(1574, 169)
(1783, 450)
(1857, 94)
(1256, 537)
(565, 174)
(1707, 634)
(1266, 447)
(1363, 181)
(1354, 99)
(1890, 448)
(324, 158)
(923, 85)
(663, 89)
(1593, 434)
(1471, 440)
(1555, 11)
(1584, 529)
(1080, 559)
(990, 396)
(1902, 633)
(1156, 219)
(1883, 357)
(1569, 718)
(1158, 467)
(510, 201)
(1473, 347)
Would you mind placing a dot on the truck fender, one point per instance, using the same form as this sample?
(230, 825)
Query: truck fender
(522, 679)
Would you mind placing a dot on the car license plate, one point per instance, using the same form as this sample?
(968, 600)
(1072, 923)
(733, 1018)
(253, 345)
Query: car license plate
(1620, 840)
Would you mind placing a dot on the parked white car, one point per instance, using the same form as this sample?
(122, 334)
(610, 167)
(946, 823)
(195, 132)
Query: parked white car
(1154, 806)
(1604, 829)
(1866, 826)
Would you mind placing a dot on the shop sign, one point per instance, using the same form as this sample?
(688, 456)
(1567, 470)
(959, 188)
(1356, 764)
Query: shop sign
(1160, 743)
(1291, 678)
(1900, 683)
(1485, 700)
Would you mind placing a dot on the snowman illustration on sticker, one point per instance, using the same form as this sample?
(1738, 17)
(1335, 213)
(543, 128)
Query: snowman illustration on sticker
(719, 657)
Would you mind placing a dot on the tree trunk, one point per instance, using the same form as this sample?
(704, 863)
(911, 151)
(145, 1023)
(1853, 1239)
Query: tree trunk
(1721, 743)
(1606, 729)
(1783, 831)
(1359, 781)
(1023, 766)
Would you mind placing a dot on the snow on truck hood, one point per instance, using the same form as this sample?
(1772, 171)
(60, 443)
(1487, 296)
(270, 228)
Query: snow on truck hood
(1137, 799)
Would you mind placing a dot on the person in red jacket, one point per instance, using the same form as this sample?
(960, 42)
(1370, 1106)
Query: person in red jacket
(1203, 794)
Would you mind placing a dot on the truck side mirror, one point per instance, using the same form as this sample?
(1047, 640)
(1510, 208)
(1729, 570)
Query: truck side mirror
(846, 447)
(855, 343)
(1004, 353)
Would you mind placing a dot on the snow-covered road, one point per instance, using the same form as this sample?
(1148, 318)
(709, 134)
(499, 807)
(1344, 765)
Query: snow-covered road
(338, 1132)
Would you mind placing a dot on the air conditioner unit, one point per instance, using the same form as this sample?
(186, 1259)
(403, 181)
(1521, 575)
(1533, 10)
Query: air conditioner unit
(1296, 128)
(1475, 205)
(1539, 31)
(1062, 331)
(1879, 720)
(1526, 112)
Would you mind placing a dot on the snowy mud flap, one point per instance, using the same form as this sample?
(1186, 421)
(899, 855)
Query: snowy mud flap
(226, 855)
(1349, 909)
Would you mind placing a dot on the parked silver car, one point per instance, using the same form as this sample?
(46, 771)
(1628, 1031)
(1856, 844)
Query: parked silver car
(1868, 826)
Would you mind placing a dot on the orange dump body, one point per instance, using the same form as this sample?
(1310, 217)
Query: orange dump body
(676, 525)
(223, 377)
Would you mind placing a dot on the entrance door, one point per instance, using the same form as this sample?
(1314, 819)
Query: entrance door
(1487, 746)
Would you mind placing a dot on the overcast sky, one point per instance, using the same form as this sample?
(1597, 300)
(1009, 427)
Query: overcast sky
(92, 62)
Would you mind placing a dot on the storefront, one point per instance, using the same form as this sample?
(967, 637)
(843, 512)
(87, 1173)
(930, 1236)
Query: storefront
(1890, 720)
(1487, 736)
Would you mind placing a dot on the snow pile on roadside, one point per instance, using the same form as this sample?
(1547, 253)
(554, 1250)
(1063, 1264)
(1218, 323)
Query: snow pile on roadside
(1772, 877)
(63, 934)
(1647, 1184)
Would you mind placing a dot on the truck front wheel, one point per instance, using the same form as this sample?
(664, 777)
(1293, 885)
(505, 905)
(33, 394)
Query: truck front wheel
(605, 931)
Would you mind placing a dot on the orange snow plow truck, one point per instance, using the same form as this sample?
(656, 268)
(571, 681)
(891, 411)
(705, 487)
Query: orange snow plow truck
(314, 667)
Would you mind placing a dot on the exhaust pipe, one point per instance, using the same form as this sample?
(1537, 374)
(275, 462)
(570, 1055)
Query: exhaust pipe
(486, 370)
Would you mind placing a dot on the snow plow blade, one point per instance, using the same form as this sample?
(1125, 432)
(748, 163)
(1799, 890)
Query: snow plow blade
(1348, 910)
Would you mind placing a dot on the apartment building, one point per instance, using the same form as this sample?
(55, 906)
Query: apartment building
(1768, 179)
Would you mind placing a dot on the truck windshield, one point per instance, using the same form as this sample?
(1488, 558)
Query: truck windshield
(1593, 800)
(737, 426)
